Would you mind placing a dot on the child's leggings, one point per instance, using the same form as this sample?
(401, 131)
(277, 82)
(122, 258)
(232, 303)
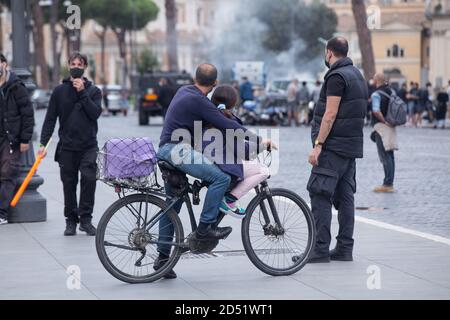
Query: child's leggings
(254, 174)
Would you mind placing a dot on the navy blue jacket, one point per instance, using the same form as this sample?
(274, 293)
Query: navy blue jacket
(190, 105)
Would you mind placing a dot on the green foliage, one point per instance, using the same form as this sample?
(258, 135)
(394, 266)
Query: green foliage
(148, 61)
(119, 13)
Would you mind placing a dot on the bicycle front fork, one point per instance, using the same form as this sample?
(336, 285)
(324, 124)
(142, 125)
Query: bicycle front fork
(264, 190)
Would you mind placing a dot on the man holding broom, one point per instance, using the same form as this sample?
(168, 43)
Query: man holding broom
(77, 103)
(16, 131)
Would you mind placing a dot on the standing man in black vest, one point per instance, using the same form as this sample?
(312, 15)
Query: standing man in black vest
(78, 105)
(337, 134)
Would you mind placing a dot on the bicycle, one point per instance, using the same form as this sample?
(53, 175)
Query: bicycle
(127, 247)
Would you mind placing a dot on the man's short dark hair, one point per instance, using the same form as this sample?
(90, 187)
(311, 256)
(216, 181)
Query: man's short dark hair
(79, 56)
(206, 75)
(3, 58)
(304, 83)
(339, 47)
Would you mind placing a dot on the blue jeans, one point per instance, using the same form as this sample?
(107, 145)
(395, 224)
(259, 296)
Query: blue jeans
(196, 165)
(387, 160)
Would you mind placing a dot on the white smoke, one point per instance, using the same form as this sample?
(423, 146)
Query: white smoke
(236, 36)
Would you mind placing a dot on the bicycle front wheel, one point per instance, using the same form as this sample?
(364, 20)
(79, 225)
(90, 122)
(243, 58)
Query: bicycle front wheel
(127, 248)
(278, 232)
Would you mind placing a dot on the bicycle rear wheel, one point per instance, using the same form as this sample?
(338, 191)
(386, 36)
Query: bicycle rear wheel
(126, 249)
(278, 250)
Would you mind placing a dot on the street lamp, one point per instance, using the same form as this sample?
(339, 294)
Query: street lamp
(33, 206)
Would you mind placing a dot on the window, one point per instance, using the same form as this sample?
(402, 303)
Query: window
(200, 16)
(395, 52)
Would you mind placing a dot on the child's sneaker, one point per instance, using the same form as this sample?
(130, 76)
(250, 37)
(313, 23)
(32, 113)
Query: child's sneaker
(3, 221)
(232, 209)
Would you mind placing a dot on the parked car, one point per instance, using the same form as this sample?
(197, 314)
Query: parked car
(41, 98)
(116, 103)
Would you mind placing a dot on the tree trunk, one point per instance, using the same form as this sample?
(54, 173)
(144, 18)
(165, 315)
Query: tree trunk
(171, 35)
(54, 37)
(38, 38)
(102, 37)
(365, 38)
(121, 35)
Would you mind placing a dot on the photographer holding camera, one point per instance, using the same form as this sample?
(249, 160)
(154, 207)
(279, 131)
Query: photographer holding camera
(77, 103)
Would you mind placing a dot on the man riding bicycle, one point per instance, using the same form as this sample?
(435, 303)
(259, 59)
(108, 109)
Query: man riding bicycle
(191, 105)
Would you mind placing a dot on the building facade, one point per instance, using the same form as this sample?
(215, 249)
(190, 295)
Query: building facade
(400, 36)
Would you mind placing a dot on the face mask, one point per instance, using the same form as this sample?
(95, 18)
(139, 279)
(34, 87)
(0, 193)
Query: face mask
(76, 73)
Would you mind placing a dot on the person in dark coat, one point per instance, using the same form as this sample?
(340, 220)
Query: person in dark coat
(16, 130)
(77, 103)
(165, 95)
(442, 102)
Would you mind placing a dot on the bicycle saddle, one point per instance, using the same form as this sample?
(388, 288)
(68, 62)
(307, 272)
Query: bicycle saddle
(164, 165)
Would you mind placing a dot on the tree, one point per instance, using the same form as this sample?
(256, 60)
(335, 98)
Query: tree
(147, 61)
(98, 9)
(171, 34)
(365, 38)
(120, 17)
(38, 39)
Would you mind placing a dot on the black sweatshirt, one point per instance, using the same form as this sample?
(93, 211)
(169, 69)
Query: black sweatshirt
(77, 112)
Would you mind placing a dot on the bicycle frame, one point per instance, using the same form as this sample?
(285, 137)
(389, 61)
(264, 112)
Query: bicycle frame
(183, 196)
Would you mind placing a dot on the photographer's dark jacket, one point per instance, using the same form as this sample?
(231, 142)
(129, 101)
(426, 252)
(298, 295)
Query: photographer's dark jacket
(16, 112)
(77, 112)
(346, 137)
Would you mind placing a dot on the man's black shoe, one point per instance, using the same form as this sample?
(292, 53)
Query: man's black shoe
(312, 259)
(71, 228)
(214, 234)
(324, 259)
(159, 263)
(88, 228)
(335, 255)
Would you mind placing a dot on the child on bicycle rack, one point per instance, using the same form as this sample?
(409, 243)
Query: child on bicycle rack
(245, 174)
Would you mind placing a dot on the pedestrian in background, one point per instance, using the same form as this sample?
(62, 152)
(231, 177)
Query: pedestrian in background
(385, 135)
(166, 93)
(413, 97)
(422, 105)
(16, 130)
(442, 105)
(448, 92)
(338, 141)
(246, 90)
(372, 88)
(77, 103)
(315, 96)
(303, 100)
(293, 104)
(431, 103)
(403, 92)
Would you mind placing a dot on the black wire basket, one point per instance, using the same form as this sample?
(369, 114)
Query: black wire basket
(128, 163)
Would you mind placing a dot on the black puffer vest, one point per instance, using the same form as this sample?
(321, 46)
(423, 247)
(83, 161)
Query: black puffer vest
(346, 137)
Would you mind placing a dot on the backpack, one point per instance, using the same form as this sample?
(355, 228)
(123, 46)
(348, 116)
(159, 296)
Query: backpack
(396, 114)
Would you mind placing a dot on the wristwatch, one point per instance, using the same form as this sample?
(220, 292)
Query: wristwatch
(318, 143)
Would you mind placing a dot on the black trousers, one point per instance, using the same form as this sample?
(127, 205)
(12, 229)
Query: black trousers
(72, 165)
(9, 171)
(333, 183)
